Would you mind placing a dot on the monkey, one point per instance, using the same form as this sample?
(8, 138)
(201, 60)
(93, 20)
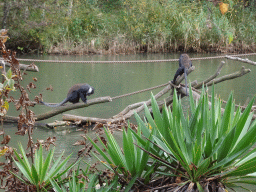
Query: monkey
(76, 92)
(184, 64)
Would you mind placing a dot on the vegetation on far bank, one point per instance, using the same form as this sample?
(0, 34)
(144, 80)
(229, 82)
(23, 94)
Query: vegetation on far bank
(129, 26)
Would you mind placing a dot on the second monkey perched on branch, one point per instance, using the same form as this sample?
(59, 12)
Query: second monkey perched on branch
(76, 92)
(184, 64)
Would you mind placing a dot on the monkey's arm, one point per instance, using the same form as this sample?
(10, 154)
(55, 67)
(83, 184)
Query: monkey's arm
(180, 71)
(83, 97)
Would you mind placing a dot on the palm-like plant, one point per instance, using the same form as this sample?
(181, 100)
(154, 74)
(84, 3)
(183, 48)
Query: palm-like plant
(42, 171)
(129, 164)
(208, 150)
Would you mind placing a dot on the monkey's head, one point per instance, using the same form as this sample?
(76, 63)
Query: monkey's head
(185, 61)
(90, 91)
(184, 56)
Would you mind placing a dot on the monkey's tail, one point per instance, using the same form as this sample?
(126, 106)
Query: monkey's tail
(186, 81)
(56, 105)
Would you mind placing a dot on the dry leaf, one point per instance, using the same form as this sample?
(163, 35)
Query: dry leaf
(6, 139)
(79, 143)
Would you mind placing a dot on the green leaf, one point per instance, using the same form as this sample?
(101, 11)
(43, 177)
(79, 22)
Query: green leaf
(34, 175)
(100, 151)
(11, 84)
(129, 152)
(56, 186)
(156, 113)
(225, 126)
(9, 74)
(44, 167)
(243, 123)
(199, 187)
(144, 128)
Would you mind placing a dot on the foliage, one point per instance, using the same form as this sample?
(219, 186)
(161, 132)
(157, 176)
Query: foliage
(74, 185)
(129, 25)
(208, 149)
(5, 88)
(128, 164)
(42, 171)
(12, 81)
(88, 182)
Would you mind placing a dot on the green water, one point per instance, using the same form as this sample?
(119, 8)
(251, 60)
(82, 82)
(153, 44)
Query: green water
(117, 79)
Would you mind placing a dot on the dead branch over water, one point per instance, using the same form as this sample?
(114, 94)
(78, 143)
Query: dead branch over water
(129, 111)
(240, 59)
(32, 68)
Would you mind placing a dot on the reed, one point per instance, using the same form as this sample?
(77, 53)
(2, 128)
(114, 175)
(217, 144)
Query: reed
(129, 26)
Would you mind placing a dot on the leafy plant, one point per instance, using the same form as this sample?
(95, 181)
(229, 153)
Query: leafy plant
(74, 185)
(41, 172)
(208, 149)
(82, 185)
(128, 164)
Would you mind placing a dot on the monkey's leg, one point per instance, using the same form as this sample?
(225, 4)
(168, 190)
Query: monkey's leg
(73, 97)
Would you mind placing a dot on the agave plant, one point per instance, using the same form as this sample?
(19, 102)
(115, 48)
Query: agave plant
(42, 171)
(129, 164)
(207, 150)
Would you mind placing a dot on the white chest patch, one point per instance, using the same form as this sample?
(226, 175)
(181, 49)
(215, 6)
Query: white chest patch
(90, 90)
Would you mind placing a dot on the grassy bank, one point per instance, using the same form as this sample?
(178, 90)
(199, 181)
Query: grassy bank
(130, 26)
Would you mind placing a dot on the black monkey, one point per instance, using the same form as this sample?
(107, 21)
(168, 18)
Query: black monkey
(76, 92)
(184, 64)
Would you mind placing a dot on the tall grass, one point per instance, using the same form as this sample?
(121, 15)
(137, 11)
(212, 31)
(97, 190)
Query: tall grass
(136, 26)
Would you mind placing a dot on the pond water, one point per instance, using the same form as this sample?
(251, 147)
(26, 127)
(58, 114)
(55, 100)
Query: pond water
(117, 79)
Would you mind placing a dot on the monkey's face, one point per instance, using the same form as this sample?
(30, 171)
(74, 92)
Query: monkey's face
(90, 91)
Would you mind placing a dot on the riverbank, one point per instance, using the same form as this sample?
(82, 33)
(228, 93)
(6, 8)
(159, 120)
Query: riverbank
(129, 26)
(132, 48)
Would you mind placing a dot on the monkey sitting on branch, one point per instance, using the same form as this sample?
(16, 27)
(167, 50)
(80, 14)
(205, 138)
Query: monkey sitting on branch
(76, 92)
(184, 64)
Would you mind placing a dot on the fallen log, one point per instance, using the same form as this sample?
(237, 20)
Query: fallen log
(74, 118)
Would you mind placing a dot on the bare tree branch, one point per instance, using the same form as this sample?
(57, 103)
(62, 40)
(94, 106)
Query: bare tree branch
(62, 109)
(240, 59)
(129, 108)
(32, 68)
(199, 85)
(240, 73)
